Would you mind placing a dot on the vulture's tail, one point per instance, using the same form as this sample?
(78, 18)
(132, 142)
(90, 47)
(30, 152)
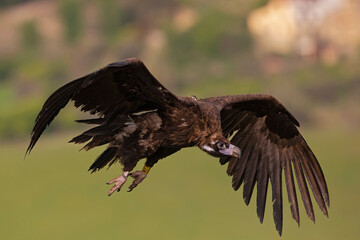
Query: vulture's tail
(91, 121)
(51, 108)
(100, 135)
(103, 159)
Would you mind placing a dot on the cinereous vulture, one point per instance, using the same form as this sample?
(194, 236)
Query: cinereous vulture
(137, 117)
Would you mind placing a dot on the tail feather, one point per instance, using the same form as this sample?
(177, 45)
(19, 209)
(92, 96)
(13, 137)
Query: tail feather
(91, 121)
(102, 130)
(97, 141)
(51, 108)
(103, 159)
(80, 139)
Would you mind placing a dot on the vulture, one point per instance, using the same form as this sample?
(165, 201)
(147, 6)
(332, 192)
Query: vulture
(137, 117)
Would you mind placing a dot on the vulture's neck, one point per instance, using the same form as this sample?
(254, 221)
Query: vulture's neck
(195, 124)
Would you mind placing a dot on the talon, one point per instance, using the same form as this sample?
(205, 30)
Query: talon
(138, 176)
(119, 182)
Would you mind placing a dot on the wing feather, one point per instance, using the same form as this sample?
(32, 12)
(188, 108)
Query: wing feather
(266, 132)
(275, 179)
(247, 146)
(51, 108)
(242, 162)
(262, 178)
(112, 92)
(249, 175)
(304, 192)
(289, 181)
(236, 120)
(241, 135)
(316, 169)
(311, 180)
(244, 140)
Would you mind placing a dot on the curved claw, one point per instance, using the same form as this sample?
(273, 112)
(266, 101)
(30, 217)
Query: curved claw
(119, 182)
(138, 176)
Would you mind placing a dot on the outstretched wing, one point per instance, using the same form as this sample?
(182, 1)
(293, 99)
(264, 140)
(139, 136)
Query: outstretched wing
(114, 91)
(270, 142)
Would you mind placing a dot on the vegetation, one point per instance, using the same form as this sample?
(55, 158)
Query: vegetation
(5, 3)
(213, 55)
(70, 11)
(187, 196)
(30, 36)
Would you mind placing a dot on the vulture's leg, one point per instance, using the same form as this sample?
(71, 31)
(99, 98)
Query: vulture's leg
(138, 176)
(119, 182)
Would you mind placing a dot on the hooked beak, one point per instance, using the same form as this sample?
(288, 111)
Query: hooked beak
(233, 151)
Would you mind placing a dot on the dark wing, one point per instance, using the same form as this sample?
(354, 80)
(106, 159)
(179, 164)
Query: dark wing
(112, 92)
(270, 142)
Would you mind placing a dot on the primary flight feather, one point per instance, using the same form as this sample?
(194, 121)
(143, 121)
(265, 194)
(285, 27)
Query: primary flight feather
(137, 118)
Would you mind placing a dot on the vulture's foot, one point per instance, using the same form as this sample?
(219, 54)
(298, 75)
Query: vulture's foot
(119, 182)
(138, 176)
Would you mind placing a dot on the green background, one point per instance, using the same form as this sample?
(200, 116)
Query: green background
(50, 194)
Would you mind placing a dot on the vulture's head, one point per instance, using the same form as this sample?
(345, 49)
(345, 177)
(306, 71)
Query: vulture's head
(220, 147)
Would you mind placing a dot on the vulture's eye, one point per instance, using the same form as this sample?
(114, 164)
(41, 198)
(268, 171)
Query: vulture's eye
(221, 145)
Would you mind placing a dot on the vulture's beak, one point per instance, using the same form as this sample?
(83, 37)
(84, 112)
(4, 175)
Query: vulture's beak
(232, 150)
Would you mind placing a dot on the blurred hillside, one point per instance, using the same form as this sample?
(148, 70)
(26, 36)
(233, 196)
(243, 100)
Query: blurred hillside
(304, 52)
(307, 59)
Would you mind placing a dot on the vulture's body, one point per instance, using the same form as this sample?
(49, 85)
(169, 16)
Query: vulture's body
(139, 118)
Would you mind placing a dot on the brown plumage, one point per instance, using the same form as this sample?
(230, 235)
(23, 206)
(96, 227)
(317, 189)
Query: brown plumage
(139, 118)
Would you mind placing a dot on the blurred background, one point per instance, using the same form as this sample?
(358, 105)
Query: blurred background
(304, 52)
